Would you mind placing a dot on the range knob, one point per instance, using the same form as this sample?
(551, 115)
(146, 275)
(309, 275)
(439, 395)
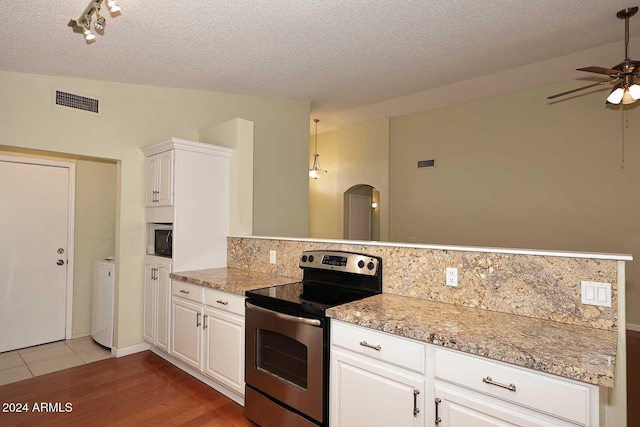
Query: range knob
(361, 264)
(304, 258)
(370, 266)
(310, 258)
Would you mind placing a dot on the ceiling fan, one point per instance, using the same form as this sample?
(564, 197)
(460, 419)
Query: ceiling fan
(623, 74)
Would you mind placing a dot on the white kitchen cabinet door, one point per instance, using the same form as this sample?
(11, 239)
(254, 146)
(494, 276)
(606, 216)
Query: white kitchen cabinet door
(186, 332)
(163, 305)
(224, 349)
(159, 179)
(463, 408)
(165, 179)
(157, 300)
(149, 303)
(151, 183)
(368, 393)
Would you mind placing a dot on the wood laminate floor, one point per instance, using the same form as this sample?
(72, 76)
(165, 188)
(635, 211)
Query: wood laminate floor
(137, 390)
(144, 390)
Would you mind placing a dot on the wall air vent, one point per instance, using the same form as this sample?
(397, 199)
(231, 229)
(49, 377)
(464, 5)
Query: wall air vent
(76, 102)
(426, 163)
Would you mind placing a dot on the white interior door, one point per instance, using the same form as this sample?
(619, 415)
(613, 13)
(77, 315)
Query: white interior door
(34, 221)
(359, 217)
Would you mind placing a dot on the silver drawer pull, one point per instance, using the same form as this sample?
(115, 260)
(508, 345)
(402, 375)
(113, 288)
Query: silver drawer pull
(510, 387)
(222, 302)
(184, 292)
(375, 347)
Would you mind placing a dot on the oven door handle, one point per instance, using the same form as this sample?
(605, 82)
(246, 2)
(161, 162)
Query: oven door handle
(303, 320)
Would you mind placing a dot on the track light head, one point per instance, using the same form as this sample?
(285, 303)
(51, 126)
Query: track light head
(83, 24)
(100, 23)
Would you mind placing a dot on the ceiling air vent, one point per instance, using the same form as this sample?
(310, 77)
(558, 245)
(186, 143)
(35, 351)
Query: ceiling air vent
(426, 163)
(76, 102)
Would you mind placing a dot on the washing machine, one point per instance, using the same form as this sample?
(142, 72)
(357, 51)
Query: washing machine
(102, 303)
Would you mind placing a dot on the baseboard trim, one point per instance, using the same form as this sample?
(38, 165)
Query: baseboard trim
(125, 351)
(633, 327)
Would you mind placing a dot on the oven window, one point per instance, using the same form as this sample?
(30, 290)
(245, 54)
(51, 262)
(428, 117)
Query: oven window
(282, 357)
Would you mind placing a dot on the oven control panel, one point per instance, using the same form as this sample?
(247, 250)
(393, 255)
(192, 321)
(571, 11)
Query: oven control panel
(347, 262)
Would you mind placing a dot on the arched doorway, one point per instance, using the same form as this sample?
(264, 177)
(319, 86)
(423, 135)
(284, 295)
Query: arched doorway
(362, 213)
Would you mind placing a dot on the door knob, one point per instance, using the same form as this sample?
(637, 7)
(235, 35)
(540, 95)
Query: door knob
(60, 262)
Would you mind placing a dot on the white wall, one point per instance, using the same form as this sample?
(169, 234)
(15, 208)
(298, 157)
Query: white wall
(136, 115)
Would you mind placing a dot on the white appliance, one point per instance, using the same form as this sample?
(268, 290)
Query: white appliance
(102, 304)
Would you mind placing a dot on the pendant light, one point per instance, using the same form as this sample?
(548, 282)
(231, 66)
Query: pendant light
(316, 170)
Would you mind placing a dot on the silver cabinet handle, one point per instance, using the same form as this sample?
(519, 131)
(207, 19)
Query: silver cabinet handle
(510, 387)
(204, 322)
(197, 320)
(416, 411)
(438, 420)
(222, 302)
(184, 292)
(375, 347)
(155, 196)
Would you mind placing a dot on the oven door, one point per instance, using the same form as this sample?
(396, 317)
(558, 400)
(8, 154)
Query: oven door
(285, 358)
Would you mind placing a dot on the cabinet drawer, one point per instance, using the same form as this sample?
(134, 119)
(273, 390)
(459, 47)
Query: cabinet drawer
(224, 301)
(545, 393)
(379, 345)
(187, 291)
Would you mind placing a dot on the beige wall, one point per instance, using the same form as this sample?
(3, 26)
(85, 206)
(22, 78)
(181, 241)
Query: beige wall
(323, 197)
(516, 171)
(357, 154)
(136, 115)
(95, 233)
(95, 221)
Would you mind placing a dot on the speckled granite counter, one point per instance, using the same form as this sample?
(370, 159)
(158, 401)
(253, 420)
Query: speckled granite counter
(231, 280)
(570, 351)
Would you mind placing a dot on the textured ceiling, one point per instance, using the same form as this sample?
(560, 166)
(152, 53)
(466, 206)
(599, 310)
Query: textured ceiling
(339, 54)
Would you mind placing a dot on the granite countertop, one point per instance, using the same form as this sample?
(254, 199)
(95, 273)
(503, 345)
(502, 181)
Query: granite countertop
(575, 352)
(231, 280)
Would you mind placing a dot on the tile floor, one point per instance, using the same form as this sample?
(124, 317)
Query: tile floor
(30, 362)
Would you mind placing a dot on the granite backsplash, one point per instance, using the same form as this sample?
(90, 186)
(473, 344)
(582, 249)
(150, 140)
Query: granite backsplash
(538, 286)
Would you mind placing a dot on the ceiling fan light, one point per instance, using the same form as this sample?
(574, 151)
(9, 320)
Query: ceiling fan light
(616, 95)
(627, 98)
(634, 91)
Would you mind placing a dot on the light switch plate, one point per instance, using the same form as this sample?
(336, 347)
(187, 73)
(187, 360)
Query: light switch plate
(596, 293)
(272, 256)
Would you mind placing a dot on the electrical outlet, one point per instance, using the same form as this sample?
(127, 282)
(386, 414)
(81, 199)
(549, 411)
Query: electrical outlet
(596, 293)
(272, 257)
(452, 276)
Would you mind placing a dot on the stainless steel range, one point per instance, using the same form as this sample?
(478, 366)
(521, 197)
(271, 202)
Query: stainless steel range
(287, 337)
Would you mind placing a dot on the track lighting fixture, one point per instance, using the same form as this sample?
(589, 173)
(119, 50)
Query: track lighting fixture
(83, 24)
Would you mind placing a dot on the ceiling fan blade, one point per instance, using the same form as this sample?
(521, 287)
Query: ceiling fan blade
(601, 70)
(575, 90)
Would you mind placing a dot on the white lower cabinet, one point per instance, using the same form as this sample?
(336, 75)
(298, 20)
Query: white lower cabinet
(224, 348)
(374, 382)
(374, 376)
(157, 302)
(208, 333)
(186, 339)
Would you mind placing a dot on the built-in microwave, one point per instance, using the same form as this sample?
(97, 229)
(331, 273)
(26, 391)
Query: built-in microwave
(163, 242)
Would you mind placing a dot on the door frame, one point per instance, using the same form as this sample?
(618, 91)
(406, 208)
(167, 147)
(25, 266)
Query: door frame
(70, 233)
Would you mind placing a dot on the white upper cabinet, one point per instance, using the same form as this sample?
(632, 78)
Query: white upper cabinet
(159, 182)
(188, 186)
